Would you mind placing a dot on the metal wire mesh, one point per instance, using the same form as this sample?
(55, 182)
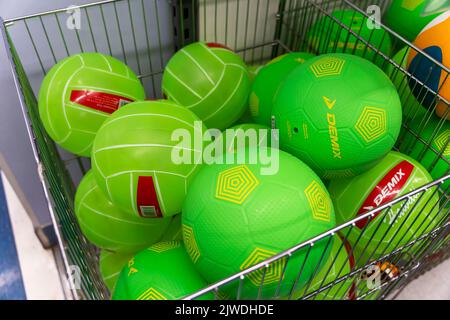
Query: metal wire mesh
(145, 33)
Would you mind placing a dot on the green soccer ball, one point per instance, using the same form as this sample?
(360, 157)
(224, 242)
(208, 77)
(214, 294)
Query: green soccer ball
(339, 265)
(173, 231)
(396, 175)
(435, 132)
(412, 108)
(110, 265)
(235, 216)
(108, 227)
(139, 166)
(79, 93)
(409, 17)
(267, 82)
(163, 271)
(338, 113)
(210, 80)
(328, 36)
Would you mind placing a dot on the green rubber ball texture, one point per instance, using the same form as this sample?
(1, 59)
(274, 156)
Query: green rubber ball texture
(110, 265)
(338, 113)
(435, 132)
(267, 82)
(408, 18)
(108, 227)
(163, 271)
(328, 36)
(235, 217)
(211, 81)
(412, 108)
(396, 175)
(79, 93)
(134, 158)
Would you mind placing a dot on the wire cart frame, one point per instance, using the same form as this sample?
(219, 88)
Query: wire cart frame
(144, 34)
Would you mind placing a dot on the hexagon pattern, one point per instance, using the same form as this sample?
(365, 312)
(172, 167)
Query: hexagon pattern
(190, 243)
(273, 272)
(152, 294)
(164, 246)
(371, 124)
(318, 201)
(328, 66)
(236, 184)
(441, 141)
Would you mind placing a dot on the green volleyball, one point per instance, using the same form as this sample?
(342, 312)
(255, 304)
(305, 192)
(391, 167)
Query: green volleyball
(163, 271)
(393, 177)
(110, 265)
(140, 164)
(435, 157)
(237, 215)
(338, 113)
(79, 93)
(210, 80)
(329, 36)
(267, 82)
(108, 227)
(412, 108)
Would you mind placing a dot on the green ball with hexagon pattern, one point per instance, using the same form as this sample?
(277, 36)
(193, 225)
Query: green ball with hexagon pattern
(161, 272)
(267, 82)
(327, 35)
(238, 215)
(338, 113)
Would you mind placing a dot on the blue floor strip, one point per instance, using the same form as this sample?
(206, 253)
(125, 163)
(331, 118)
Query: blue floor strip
(11, 282)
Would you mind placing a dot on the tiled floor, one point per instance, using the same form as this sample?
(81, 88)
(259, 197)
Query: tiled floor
(30, 272)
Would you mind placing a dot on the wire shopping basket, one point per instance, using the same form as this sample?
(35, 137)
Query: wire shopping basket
(146, 33)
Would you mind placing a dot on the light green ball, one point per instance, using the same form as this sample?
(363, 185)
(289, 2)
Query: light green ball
(393, 177)
(235, 216)
(267, 82)
(253, 71)
(134, 158)
(79, 93)
(110, 265)
(211, 81)
(160, 272)
(328, 36)
(108, 227)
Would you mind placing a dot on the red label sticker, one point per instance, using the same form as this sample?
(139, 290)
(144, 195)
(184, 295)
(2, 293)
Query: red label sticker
(101, 101)
(217, 45)
(386, 190)
(147, 200)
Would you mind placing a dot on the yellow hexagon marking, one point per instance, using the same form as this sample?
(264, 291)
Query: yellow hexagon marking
(164, 246)
(152, 294)
(273, 272)
(236, 184)
(318, 201)
(371, 124)
(190, 243)
(441, 141)
(328, 66)
(411, 4)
